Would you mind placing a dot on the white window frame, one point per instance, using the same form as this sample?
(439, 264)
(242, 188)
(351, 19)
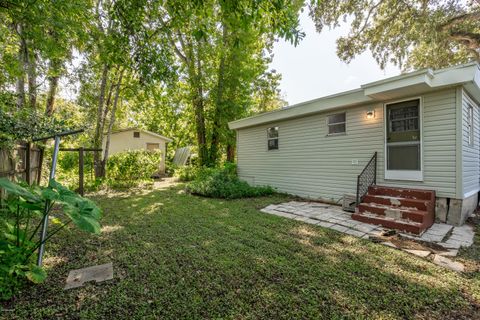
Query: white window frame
(276, 138)
(407, 175)
(470, 122)
(336, 123)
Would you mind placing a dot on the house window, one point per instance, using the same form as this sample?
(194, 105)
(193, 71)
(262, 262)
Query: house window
(404, 117)
(336, 123)
(272, 138)
(470, 125)
(136, 134)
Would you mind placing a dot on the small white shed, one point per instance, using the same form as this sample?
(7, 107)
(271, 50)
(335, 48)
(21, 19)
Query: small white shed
(138, 139)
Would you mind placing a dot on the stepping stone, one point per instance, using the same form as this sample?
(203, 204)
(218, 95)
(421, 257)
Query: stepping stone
(347, 223)
(431, 237)
(339, 228)
(354, 233)
(419, 253)
(447, 263)
(325, 224)
(451, 244)
(269, 211)
(376, 232)
(76, 278)
(449, 253)
(389, 244)
(439, 228)
(364, 227)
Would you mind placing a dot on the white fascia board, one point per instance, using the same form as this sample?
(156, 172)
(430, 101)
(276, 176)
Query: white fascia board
(425, 77)
(419, 82)
(156, 135)
(346, 99)
(473, 87)
(458, 76)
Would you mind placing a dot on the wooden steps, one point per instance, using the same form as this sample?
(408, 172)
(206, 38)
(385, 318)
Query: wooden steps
(406, 210)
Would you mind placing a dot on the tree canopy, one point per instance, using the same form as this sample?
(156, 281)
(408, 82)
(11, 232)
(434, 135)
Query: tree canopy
(411, 34)
(185, 69)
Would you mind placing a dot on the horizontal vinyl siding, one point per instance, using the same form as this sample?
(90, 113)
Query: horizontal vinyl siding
(470, 154)
(439, 145)
(311, 164)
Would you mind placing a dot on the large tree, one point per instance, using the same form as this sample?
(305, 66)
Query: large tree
(408, 33)
(37, 38)
(126, 49)
(220, 48)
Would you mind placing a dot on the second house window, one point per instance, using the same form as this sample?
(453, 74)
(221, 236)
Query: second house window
(272, 138)
(336, 123)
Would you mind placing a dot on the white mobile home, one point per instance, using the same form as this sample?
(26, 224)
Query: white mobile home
(423, 126)
(138, 139)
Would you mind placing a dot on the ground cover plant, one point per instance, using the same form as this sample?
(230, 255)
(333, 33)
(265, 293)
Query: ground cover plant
(125, 169)
(179, 256)
(223, 182)
(22, 214)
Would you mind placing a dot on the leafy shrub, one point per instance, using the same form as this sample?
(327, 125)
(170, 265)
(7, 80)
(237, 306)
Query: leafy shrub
(186, 173)
(224, 183)
(22, 213)
(130, 167)
(67, 170)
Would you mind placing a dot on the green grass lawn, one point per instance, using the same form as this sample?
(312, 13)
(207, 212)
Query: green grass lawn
(178, 256)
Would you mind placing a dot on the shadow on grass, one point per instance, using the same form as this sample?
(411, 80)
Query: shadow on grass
(180, 256)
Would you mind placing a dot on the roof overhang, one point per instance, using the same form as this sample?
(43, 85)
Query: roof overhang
(409, 84)
(144, 131)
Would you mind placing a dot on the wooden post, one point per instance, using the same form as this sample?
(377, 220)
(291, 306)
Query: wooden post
(80, 171)
(28, 166)
(40, 163)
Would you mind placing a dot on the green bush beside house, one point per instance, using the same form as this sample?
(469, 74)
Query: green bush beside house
(222, 182)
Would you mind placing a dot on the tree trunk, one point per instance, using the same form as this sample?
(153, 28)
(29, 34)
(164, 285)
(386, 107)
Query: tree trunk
(199, 109)
(221, 114)
(20, 86)
(98, 137)
(230, 153)
(106, 109)
(200, 126)
(53, 85)
(32, 81)
(218, 113)
(110, 125)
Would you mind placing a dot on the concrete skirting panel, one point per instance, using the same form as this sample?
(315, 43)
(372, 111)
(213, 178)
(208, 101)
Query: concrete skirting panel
(441, 209)
(455, 211)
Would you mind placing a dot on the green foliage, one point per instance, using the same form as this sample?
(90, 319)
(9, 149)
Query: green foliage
(23, 212)
(223, 183)
(186, 173)
(130, 167)
(67, 171)
(414, 34)
(212, 254)
(25, 125)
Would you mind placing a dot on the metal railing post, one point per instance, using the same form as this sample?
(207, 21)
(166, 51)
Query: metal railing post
(43, 234)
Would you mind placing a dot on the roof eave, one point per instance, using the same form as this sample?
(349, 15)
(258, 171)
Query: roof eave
(417, 82)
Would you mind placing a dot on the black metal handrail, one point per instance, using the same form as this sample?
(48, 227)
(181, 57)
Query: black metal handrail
(367, 178)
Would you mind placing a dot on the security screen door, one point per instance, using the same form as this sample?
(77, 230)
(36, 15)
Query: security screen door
(403, 141)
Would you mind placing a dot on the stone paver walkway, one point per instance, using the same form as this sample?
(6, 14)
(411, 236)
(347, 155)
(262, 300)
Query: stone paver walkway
(333, 217)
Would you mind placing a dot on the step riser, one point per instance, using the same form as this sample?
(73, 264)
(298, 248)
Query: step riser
(407, 210)
(416, 216)
(390, 224)
(402, 193)
(396, 202)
